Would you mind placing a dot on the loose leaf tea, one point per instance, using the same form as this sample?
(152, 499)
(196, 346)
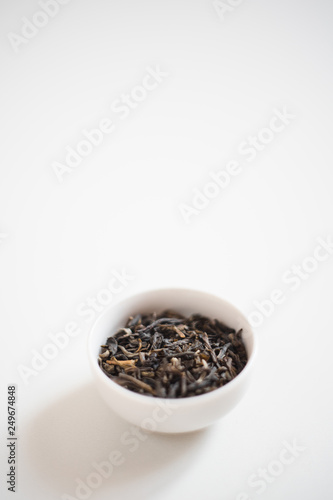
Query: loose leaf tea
(169, 356)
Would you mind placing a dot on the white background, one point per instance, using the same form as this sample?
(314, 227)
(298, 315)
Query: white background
(119, 209)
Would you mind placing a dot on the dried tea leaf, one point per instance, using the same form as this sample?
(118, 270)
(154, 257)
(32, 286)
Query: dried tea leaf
(168, 355)
(127, 362)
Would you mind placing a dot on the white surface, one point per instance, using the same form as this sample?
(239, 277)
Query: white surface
(120, 209)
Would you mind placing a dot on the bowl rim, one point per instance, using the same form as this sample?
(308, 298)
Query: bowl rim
(144, 399)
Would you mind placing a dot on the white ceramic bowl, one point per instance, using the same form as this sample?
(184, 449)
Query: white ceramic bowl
(170, 415)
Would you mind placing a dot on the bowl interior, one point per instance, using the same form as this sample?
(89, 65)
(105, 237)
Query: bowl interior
(181, 300)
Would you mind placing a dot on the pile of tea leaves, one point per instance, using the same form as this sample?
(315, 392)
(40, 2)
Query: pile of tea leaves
(169, 356)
